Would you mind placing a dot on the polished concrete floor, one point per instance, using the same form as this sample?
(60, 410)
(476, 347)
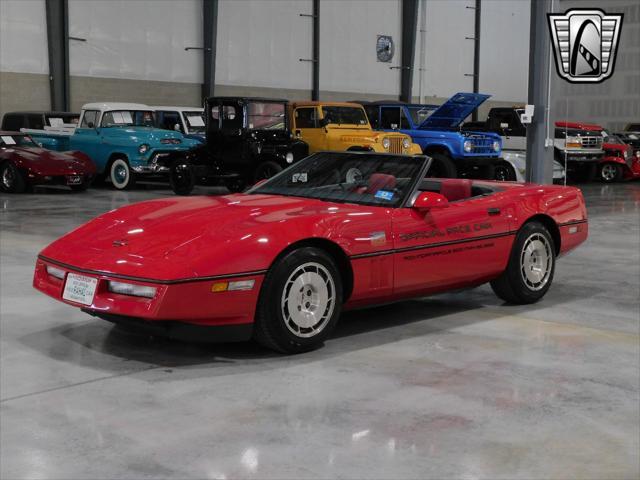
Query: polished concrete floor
(453, 386)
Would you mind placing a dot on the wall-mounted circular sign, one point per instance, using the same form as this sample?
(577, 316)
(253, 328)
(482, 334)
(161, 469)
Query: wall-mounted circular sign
(385, 48)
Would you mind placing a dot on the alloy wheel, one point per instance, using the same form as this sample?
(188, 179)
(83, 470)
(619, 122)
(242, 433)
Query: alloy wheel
(536, 261)
(308, 300)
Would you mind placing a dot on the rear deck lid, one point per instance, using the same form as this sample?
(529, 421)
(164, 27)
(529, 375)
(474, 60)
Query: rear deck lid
(452, 113)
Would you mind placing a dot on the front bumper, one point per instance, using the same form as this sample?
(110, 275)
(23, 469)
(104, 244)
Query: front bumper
(68, 179)
(157, 163)
(580, 157)
(184, 301)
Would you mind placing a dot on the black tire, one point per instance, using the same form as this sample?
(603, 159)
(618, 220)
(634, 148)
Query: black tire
(442, 166)
(11, 179)
(275, 325)
(501, 171)
(182, 178)
(610, 172)
(266, 170)
(511, 286)
(236, 185)
(121, 175)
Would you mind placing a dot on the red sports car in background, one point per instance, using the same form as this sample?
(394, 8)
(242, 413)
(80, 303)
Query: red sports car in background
(334, 231)
(619, 161)
(24, 164)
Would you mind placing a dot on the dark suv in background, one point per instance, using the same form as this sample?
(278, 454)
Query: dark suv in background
(14, 121)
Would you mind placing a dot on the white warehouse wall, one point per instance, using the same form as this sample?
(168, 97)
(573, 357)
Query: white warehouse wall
(140, 39)
(348, 63)
(135, 50)
(260, 44)
(447, 55)
(24, 58)
(23, 37)
(504, 49)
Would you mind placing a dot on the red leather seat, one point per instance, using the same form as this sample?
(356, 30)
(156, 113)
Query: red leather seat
(380, 181)
(455, 188)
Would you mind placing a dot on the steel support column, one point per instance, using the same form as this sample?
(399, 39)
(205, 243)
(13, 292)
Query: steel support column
(409, 26)
(540, 132)
(210, 32)
(476, 54)
(57, 13)
(315, 87)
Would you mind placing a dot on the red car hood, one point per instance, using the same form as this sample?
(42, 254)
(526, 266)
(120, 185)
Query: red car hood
(180, 238)
(48, 162)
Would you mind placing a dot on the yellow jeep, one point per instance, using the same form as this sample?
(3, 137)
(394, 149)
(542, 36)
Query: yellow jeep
(344, 126)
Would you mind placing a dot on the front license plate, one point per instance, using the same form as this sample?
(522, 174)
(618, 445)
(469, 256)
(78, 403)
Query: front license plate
(80, 288)
(74, 180)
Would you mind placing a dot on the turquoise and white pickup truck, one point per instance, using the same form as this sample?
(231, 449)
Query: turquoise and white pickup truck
(120, 138)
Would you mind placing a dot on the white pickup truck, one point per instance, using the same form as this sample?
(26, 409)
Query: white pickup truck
(120, 138)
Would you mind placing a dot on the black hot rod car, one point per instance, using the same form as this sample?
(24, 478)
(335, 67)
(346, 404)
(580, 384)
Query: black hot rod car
(247, 139)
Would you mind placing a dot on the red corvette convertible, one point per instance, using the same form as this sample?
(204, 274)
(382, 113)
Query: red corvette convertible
(24, 164)
(332, 232)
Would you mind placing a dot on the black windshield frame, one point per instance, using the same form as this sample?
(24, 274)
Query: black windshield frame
(422, 166)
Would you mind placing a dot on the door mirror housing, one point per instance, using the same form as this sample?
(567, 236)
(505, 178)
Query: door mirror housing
(429, 200)
(324, 122)
(91, 125)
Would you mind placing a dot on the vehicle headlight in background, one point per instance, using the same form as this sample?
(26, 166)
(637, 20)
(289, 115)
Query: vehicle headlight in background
(386, 142)
(638, 154)
(289, 157)
(625, 154)
(131, 289)
(573, 142)
(406, 143)
(55, 272)
(496, 146)
(142, 149)
(467, 145)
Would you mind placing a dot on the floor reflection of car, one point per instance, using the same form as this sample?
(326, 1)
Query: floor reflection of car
(335, 231)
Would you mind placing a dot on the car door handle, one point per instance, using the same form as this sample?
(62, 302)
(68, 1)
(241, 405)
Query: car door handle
(493, 211)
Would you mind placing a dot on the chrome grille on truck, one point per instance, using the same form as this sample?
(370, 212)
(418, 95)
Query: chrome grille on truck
(591, 142)
(395, 145)
(481, 145)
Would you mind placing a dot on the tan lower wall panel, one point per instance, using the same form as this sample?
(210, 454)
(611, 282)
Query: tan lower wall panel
(24, 91)
(95, 89)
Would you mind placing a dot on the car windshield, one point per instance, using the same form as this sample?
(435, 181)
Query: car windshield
(266, 116)
(359, 178)
(17, 140)
(195, 121)
(420, 113)
(344, 115)
(128, 118)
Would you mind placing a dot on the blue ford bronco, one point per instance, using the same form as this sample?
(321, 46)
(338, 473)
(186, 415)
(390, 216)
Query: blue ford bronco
(437, 130)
